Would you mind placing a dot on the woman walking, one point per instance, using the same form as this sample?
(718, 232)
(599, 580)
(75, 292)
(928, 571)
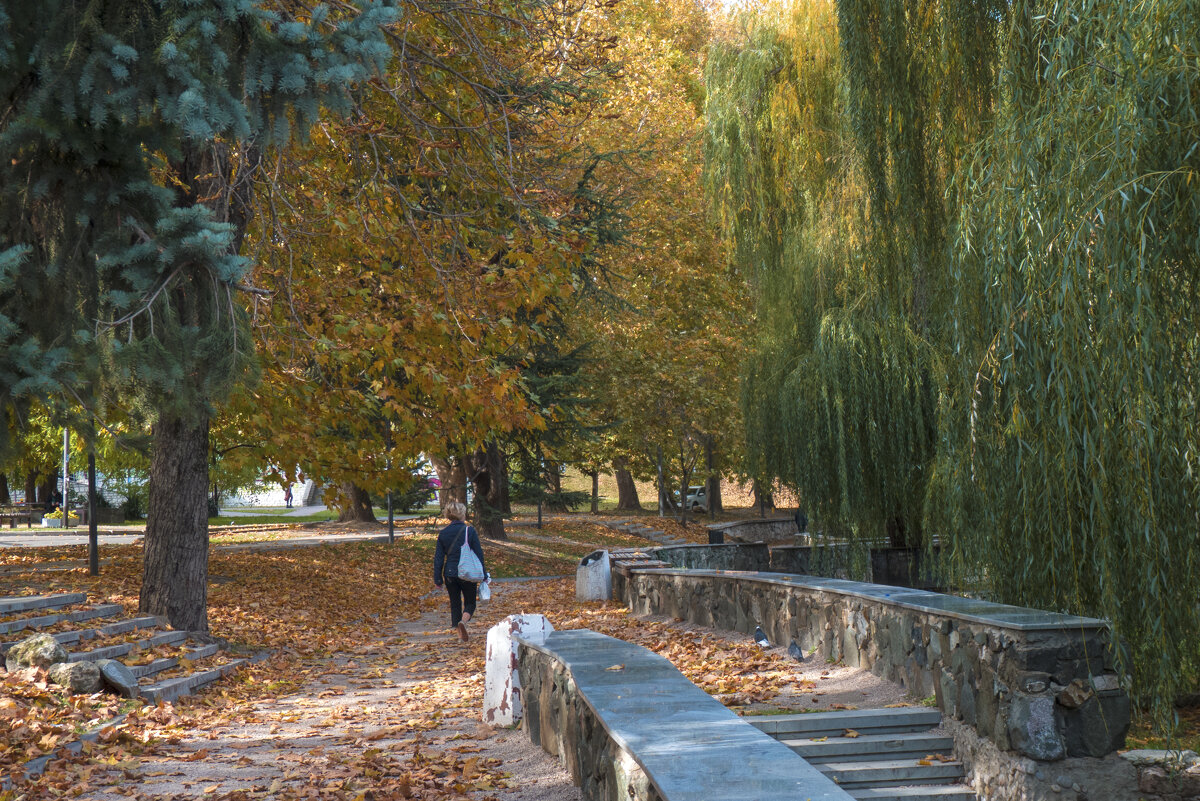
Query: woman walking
(445, 566)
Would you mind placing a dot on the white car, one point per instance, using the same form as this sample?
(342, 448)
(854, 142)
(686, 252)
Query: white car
(697, 499)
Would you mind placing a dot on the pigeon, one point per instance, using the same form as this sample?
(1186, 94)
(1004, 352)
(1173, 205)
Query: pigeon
(794, 652)
(761, 638)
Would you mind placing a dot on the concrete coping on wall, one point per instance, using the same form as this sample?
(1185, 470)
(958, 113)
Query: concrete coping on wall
(976, 611)
(690, 746)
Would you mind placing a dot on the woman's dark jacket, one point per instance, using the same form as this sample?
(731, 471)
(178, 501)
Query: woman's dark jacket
(449, 547)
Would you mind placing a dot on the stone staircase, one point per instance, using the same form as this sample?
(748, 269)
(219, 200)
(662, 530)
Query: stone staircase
(166, 663)
(875, 754)
(646, 532)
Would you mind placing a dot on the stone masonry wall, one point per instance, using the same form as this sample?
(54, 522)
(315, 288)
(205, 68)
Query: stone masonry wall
(1044, 694)
(561, 721)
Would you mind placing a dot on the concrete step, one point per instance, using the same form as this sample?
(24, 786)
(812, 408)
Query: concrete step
(170, 689)
(117, 627)
(121, 649)
(867, 747)
(42, 621)
(892, 772)
(935, 792)
(863, 721)
(166, 663)
(9, 605)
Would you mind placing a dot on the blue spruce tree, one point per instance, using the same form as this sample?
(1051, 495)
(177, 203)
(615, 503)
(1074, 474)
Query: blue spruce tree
(128, 149)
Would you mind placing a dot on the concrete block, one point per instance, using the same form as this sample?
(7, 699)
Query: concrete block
(502, 683)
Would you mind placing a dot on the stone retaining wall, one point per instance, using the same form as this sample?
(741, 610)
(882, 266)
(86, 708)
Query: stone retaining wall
(559, 720)
(1037, 684)
(765, 529)
(901, 567)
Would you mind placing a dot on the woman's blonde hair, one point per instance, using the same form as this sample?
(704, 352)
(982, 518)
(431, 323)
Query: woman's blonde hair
(456, 510)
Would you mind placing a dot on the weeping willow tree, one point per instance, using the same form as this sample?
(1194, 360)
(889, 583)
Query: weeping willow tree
(828, 143)
(1068, 469)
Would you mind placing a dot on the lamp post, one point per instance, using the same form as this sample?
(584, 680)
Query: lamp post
(66, 478)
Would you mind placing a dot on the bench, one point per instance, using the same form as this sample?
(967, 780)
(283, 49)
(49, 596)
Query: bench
(15, 513)
(627, 724)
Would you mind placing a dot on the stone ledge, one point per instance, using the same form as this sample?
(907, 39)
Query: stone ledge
(645, 732)
(1038, 684)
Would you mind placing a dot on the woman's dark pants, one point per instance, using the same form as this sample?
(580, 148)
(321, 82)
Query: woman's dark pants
(462, 599)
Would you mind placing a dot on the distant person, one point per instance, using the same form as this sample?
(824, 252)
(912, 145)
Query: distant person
(801, 521)
(445, 566)
(287, 496)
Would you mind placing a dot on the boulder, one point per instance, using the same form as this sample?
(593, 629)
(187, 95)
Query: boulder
(118, 678)
(40, 650)
(1033, 728)
(79, 677)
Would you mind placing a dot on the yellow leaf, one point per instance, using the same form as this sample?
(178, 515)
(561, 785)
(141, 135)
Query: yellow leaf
(615, 667)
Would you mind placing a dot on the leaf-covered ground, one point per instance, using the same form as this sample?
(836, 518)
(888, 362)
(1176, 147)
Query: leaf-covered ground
(366, 694)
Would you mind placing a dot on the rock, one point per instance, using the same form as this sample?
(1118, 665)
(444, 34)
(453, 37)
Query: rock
(1075, 695)
(1098, 727)
(1032, 729)
(1151, 756)
(40, 650)
(118, 678)
(78, 677)
(1106, 683)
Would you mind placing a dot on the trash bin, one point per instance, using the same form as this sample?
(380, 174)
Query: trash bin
(593, 577)
(716, 537)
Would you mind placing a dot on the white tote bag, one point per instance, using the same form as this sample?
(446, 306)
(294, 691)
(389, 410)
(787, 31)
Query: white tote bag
(469, 566)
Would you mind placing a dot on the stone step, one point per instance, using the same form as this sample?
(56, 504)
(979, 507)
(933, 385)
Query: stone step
(891, 772)
(42, 621)
(171, 689)
(117, 627)
(168, 662)
(863, 721)
(28, 603)
(936, 792)
(871, 747)
(121, 649)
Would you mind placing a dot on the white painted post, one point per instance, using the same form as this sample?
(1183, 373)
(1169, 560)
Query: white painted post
(501, 684)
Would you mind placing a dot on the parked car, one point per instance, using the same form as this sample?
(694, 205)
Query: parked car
(697, 499)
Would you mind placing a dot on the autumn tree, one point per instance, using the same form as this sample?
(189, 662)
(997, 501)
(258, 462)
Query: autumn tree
(418, 250)
(671, 336)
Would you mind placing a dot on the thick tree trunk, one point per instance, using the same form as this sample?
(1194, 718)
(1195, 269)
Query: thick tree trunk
(453, 475)
(595, 474)
(356, 505)
(486, 469)
(4, 496)
(31, 487)
(175, 556)
(627, 494)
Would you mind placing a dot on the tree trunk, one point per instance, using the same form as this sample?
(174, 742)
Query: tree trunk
(763, 500)
(627, 494)
(175, 556)
(31, 487)
(595, 474)
(4, 497)
(712, 490)
(486, 471)
(505, 495)
(356, 506)
(46, 492)
(453, 475)
(554, 487)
